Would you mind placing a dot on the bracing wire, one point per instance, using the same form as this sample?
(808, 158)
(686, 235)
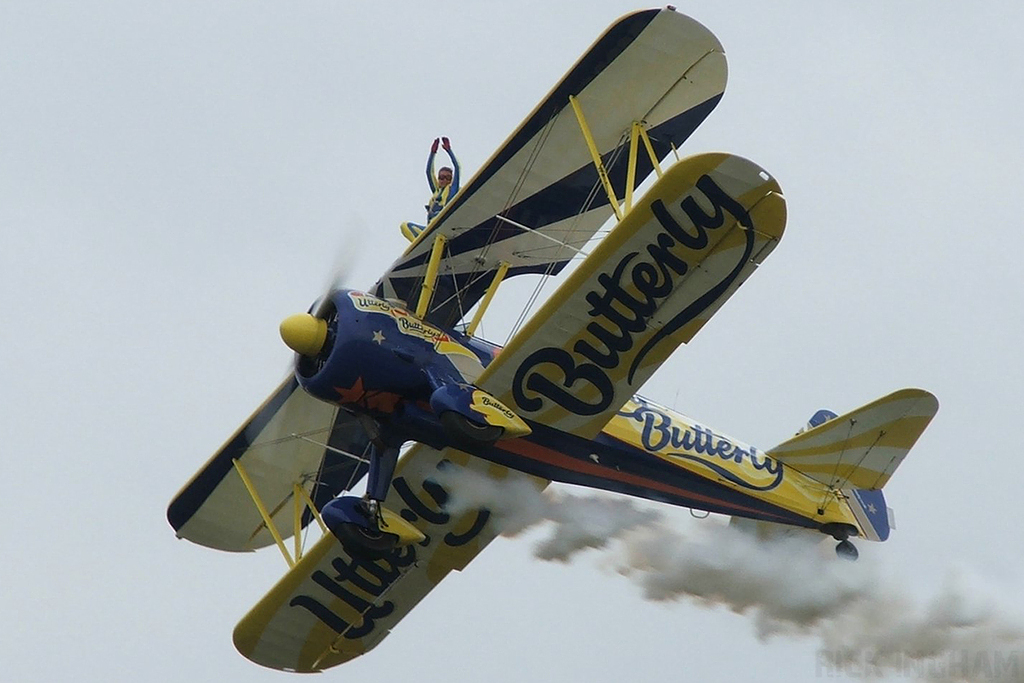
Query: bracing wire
(591, 197)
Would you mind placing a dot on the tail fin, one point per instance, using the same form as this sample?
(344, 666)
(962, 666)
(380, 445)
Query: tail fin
(862, 448)
(820, 417)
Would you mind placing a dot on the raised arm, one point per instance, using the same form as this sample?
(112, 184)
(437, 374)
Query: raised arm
(430, 166)
(455, 166)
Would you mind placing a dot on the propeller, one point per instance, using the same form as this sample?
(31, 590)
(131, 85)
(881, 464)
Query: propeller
(311, 334)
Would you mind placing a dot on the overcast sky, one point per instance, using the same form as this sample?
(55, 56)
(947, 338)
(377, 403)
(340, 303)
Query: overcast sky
(176, 177)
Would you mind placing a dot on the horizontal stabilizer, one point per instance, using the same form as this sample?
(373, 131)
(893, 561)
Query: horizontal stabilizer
(864, 447)
(286, 442)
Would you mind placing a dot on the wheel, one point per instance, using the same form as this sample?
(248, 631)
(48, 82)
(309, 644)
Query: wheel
(463, 431)
(350, 521)
(364, 541)
(847, 551)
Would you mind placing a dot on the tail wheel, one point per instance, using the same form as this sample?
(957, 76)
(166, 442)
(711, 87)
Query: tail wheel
(461, 430)
(847, 551)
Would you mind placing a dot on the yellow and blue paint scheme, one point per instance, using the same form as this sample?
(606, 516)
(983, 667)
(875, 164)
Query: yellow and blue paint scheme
(651, 284)
(565, 386)
(657, 67)
(652, 452)
(383, 361)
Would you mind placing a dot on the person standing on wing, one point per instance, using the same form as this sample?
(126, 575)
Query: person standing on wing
(447, 183)
(442, 188)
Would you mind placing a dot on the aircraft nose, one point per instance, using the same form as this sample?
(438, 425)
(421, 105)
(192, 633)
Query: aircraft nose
(304, 334)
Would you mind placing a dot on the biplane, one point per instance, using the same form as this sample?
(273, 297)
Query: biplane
(394, 384)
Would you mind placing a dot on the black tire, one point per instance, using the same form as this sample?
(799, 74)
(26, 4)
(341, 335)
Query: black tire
(847, 551)
(464, 432)
(363, 542)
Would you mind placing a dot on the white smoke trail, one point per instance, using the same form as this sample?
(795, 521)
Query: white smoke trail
(518, 504)
(865, 620)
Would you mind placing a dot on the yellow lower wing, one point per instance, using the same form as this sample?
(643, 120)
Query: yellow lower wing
(332, 606)
(649, 286)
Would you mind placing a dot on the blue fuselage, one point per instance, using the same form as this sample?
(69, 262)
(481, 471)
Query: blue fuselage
(382, 361)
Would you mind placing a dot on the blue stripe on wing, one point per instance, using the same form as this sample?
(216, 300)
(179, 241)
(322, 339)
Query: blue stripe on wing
(336, 471)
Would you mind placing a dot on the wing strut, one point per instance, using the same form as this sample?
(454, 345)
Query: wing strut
(271, 527)
(637, 133)
(302, 499)
(430, 279)
(598, 164)
(491, 289)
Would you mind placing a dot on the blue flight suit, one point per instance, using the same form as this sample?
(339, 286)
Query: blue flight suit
(440, 196)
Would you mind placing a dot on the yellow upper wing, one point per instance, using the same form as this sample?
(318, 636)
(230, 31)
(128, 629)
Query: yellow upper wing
(649, 286)
(534, 201)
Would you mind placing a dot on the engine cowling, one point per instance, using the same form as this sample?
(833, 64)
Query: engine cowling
(363, 352)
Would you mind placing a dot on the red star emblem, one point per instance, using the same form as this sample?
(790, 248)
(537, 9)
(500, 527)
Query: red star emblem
(380, 401)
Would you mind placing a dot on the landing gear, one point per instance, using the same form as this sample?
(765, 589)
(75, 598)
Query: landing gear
(383, 458)
(841, 532)
(847, 551)
(367, 529)
(358, 527)
(363, 525)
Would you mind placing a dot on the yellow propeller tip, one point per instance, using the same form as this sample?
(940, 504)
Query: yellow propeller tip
(304, 334)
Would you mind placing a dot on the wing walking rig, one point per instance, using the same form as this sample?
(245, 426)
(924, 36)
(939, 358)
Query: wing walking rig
(401, 364)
